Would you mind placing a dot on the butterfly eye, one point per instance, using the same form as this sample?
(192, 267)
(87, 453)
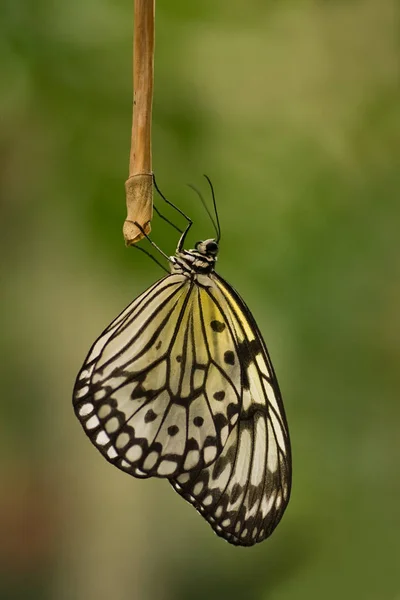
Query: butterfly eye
(212, 247)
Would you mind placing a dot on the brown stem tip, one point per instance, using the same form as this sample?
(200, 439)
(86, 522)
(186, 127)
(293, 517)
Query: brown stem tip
(139, 203)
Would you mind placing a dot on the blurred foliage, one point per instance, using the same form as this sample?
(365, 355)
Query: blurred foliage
(293, 110)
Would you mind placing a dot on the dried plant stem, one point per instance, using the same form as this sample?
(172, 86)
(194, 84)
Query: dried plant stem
(139, 185)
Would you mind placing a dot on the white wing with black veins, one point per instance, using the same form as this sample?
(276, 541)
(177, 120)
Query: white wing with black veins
(244, 493)
(156, 395)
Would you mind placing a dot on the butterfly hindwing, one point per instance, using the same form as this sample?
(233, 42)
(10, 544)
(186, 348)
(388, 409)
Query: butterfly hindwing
(244, 493)
(152, 395)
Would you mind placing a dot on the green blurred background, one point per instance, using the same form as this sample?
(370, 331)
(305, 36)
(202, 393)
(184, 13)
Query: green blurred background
(293, 110)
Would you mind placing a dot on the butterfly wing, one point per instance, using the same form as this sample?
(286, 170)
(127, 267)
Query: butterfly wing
(244, 493)
(152, 395)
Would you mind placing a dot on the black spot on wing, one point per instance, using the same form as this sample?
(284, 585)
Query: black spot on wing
(150, 416)
(219, 395)
(237, 489)
(173, 430)
(217, 326)
(229, 357)
(198, 421)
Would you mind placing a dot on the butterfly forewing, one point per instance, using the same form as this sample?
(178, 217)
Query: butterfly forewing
(151, 395)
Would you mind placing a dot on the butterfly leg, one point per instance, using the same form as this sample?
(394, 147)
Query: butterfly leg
(151, 241)
(164, 218)
(137, 247)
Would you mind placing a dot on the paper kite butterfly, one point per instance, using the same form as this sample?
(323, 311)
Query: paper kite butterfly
(180, 386)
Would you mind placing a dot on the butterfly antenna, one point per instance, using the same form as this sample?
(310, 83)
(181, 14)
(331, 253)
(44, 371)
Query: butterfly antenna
(206, 208)
(218, 228)
(189, 221)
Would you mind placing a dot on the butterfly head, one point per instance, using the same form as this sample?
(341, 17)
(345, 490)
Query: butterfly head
(207, 247)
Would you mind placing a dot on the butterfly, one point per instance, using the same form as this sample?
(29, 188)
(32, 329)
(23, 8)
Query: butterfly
(181, 386)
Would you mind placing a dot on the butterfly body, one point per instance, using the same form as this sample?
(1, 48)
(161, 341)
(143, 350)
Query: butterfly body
(181, 386)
